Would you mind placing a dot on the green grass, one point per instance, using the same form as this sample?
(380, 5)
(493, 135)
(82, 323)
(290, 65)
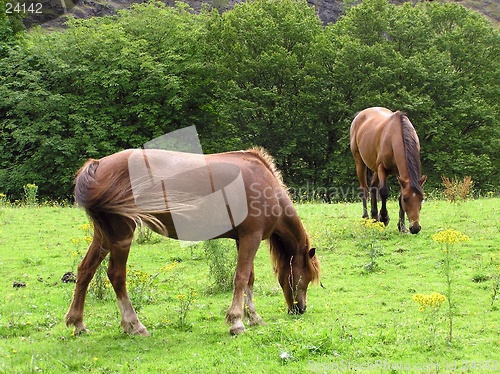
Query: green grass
(360, 319)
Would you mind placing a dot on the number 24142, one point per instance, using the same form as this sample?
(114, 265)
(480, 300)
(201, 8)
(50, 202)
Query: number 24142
(23, 8)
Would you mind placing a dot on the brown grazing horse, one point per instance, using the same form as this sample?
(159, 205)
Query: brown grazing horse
(386, 143)
(166, 195)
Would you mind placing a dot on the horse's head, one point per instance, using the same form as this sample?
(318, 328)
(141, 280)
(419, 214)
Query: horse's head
(295, 278)
(411, 202)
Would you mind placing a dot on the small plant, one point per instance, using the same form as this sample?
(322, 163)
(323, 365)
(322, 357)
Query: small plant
(100, 284)
(3, 199)
(430, 305)
(185, 301)
(80, 250)
(140, 287)
(369, 235)
(146, 236)
(30, 194)
(447, 239)
(495, 289)
(455, 190)
(495, 278)
(222, 264)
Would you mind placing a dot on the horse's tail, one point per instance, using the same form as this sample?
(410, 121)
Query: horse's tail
(412, 152)
(106, 196)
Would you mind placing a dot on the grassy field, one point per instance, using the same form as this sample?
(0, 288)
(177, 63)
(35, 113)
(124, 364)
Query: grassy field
(363, 319)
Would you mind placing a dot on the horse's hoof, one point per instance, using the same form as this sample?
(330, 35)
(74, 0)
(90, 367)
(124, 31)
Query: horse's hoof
(255, 321)
(135, 329)
(384, 220)
(80, 331)
(141, 331)
(237, 328)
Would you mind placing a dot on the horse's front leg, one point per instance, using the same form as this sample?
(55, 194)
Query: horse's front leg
(247, 248)
(117, 273)
(250, 312)
(373, 203)
(401, 222)
(384, 195)
(86, 270)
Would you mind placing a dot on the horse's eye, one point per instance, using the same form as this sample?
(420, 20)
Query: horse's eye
(406, 199)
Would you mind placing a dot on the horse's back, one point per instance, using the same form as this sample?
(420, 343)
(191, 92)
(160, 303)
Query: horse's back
(161, 183)
(368, 127)
(370, 119)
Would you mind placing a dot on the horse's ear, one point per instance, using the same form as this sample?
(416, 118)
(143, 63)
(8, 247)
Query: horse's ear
(422, 180)
(402, 182)
(312, 252)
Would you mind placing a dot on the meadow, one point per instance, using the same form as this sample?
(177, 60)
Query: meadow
(364, 317)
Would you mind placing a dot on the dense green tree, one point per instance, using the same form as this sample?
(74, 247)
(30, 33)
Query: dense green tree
(11, 29)
(266, 73)
(102, 85)
(421, 60)
(260, 49)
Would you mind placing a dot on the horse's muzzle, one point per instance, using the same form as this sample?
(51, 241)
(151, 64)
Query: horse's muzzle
(415, 229)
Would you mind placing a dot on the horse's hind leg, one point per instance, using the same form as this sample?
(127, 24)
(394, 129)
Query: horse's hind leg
(361, 172)
(117, 273)
(86, 270)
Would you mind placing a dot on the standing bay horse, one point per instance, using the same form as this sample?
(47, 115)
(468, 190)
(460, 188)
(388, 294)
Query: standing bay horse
(386, 143)
(238, 195)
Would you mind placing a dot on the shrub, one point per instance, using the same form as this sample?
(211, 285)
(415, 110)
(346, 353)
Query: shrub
(457, 190)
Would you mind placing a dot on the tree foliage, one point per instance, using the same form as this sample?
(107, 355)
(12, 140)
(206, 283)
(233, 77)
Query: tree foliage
(265, 73)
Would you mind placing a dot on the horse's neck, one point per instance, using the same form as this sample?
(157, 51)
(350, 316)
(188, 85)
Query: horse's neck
(291, 230)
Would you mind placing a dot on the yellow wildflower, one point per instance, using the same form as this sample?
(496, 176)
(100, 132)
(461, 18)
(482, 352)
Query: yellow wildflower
(434, 300)
(374, 224)
(450, 236)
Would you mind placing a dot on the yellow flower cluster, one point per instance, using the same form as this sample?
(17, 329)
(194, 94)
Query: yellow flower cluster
(189, 297)
(85, 227)
(77, 241)
(137, 277)
(170, 266)
(373, 224)
(434, 300)
(450, 236)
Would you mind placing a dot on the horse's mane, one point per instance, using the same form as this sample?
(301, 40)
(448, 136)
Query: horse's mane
(281, 255)
(282, 258)
(269, 162)
(412, 153)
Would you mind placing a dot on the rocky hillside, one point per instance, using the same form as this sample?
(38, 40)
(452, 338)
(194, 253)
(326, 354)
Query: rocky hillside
(54, 12)
(54, 15)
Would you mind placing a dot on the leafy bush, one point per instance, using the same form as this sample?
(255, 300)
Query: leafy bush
(265, 73)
